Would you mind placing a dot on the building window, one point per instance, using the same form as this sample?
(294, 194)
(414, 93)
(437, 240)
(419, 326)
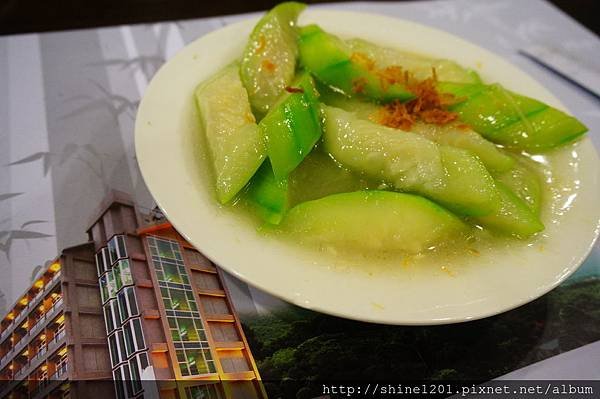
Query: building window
(122, 349)
(102, 261)
(208, 391)
(143, 362)
(134, 337)
(123, 384)
(187, 330)
(61, 364)
(111, 284)
(128, 303)
(195, 362)
(114, 350)
(114, 305)
(103, 288)
(123, 273)
(109, 318)
(116, 248)
(134, 368)
(123, 306)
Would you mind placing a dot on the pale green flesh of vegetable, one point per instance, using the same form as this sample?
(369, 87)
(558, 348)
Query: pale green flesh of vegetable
(451, 134)
(514, 217)
(463, 137)
(418, 66)
(410, 162)
(407, 161)
(468, 189)
(373, 220)
(234, 140)
(523, 180)
(269, 60)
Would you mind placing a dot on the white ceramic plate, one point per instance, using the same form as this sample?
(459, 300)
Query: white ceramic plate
(168, 140)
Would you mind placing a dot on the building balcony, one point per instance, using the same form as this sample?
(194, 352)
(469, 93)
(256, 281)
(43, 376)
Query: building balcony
(57, 340)
(41, 384)
(7, 331)
(54, 278)
(37, 327)
(37, 296)
(8, 387)
(40, 354)
(21, 344)
(54, 309)
(60, 373)
(22, 372)
(5, 359)
(21, 316)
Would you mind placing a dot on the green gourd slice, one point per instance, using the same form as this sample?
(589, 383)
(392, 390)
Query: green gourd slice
(235, 144)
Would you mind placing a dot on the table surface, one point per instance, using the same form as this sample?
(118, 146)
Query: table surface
(66, 138)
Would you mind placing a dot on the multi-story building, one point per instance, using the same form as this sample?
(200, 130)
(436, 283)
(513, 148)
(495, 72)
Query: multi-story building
(55, 334)
(167, 313)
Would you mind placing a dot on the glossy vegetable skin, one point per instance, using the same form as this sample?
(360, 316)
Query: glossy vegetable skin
(513, 217)
(235, 143)
(373, 220)
(293, 127)
(511, 119)
(267, 195)
(269, 60)
(331, 61)
(411, 163)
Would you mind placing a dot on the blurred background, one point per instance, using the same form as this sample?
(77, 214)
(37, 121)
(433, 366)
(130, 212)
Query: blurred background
(20, 16)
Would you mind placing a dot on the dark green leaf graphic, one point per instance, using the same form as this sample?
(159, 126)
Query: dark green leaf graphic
(33, 222)
(30, 158)
(9, 195)
(19, 235)
(148, 64)
(115, 104)
(44, 156)
(27, 235)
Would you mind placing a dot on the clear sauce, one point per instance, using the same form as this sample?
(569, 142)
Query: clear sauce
(319, 175)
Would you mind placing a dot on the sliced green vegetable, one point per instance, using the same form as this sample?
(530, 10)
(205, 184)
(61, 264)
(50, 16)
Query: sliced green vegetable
(267, 195)
(514, 217)
(463, 137)
(512, 120)
(361, 108)
(319, 176)
(373, 220)
(494, 108)
(462, 91)
(541, 131)
(235, 143)
(418, 66)
(468, 189)
(293, 127)
(410, 162)
(405, 160)
(452, 134)
(524, 182)
(331, 61)
(269, 60)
